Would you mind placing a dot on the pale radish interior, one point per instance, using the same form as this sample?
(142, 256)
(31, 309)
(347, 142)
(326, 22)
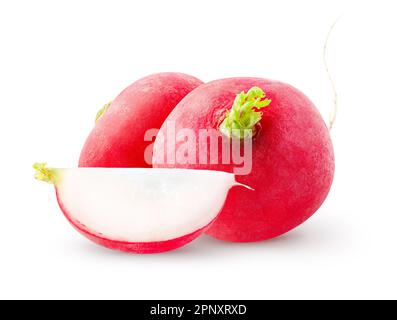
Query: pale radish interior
(143, 205)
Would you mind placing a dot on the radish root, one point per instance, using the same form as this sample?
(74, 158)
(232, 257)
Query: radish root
(325, 49)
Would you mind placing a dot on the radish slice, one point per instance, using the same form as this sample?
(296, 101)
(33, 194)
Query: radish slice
(139, 210)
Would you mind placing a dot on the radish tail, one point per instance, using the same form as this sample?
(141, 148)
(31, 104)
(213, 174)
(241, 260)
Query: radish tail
(335, 107)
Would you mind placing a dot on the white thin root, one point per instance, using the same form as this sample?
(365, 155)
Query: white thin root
(335, 108)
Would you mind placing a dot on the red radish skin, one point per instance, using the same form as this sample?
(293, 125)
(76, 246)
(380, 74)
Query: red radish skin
(293, 159)
(130, 247)
(117, 139)
(138, 210)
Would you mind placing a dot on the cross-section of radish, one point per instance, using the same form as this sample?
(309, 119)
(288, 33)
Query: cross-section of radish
(139, 210)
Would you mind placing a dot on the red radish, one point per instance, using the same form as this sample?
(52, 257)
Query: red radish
(292, 153)
(117, 139)
(139, 210)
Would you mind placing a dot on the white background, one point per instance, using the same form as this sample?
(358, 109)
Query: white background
(61, 61)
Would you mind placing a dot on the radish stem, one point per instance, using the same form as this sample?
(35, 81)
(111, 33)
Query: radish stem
(45, 174)
(241, 120)
(101, 112)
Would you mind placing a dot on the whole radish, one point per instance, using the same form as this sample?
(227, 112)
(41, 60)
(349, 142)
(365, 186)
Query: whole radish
(292, 153)
(118, 138)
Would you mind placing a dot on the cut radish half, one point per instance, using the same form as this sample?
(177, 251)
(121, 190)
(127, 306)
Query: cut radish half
(139, 210)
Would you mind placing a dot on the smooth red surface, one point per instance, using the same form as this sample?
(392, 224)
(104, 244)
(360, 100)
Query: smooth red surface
(117, 139)
(129, 247)
(293, 160)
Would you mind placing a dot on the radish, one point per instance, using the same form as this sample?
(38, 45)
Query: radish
(136, 209)
(118, 138)
(292, 154)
